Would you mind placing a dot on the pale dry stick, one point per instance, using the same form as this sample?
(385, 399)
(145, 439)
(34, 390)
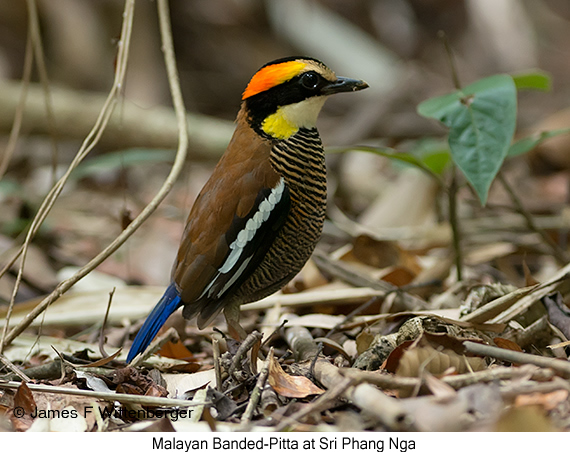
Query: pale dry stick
(51, 197)
(19, 113)
(256, 393)
(523, 387)
(391, 381)
(34, 24)
(108, 396)
(164, 190)
(558, 365)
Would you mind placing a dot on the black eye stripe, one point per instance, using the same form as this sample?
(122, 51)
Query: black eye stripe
(262, 104)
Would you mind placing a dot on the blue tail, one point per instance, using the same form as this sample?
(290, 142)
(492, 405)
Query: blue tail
(169, 303)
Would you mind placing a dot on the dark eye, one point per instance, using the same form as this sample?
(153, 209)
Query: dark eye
(310, 80)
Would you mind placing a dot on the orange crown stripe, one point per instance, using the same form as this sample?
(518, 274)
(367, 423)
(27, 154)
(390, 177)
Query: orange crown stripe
(271, 76)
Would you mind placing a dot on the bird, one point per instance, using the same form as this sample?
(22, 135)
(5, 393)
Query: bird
(258, 218)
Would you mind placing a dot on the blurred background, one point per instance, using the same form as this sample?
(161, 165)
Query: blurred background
(219, 44)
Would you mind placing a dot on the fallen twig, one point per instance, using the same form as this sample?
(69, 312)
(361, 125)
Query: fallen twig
(104, 354)
(108, 396)
(560, 366)
(391, 381)
(257, 390)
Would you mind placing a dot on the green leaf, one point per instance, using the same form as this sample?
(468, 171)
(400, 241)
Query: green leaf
(434, 154)
(390, 153)
(481, 118)
(526, 144)
(536, 79)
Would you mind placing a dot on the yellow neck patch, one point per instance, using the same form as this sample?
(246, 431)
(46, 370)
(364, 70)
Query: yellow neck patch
(271, 76)
(279, 126)
(288, 119)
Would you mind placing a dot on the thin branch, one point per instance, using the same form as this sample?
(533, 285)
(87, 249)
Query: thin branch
(560, 366)
(10, 148)
(169, 182)
(14, 369)
(44, 79)
(454, 222)
(391, 381)
(104, 354)
(53, 194)
(454, 74)
(20, 108)
(110, 396)
(452, 192)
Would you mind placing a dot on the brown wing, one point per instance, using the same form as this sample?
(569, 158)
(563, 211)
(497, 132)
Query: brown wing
(229, 198)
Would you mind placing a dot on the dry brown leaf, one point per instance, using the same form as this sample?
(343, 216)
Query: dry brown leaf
(399, 276)
(24, 407)
(175, 350)
(414, 360)
(376, 253)
(254, 354)
(24, 398)
(130, 381)
(507, 344)
(77, 413)
(294, 386)
(528, 278)
(101, 362)
(363, 341)
(410, 358)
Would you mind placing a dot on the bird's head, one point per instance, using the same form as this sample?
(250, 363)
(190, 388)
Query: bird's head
(287, 94)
